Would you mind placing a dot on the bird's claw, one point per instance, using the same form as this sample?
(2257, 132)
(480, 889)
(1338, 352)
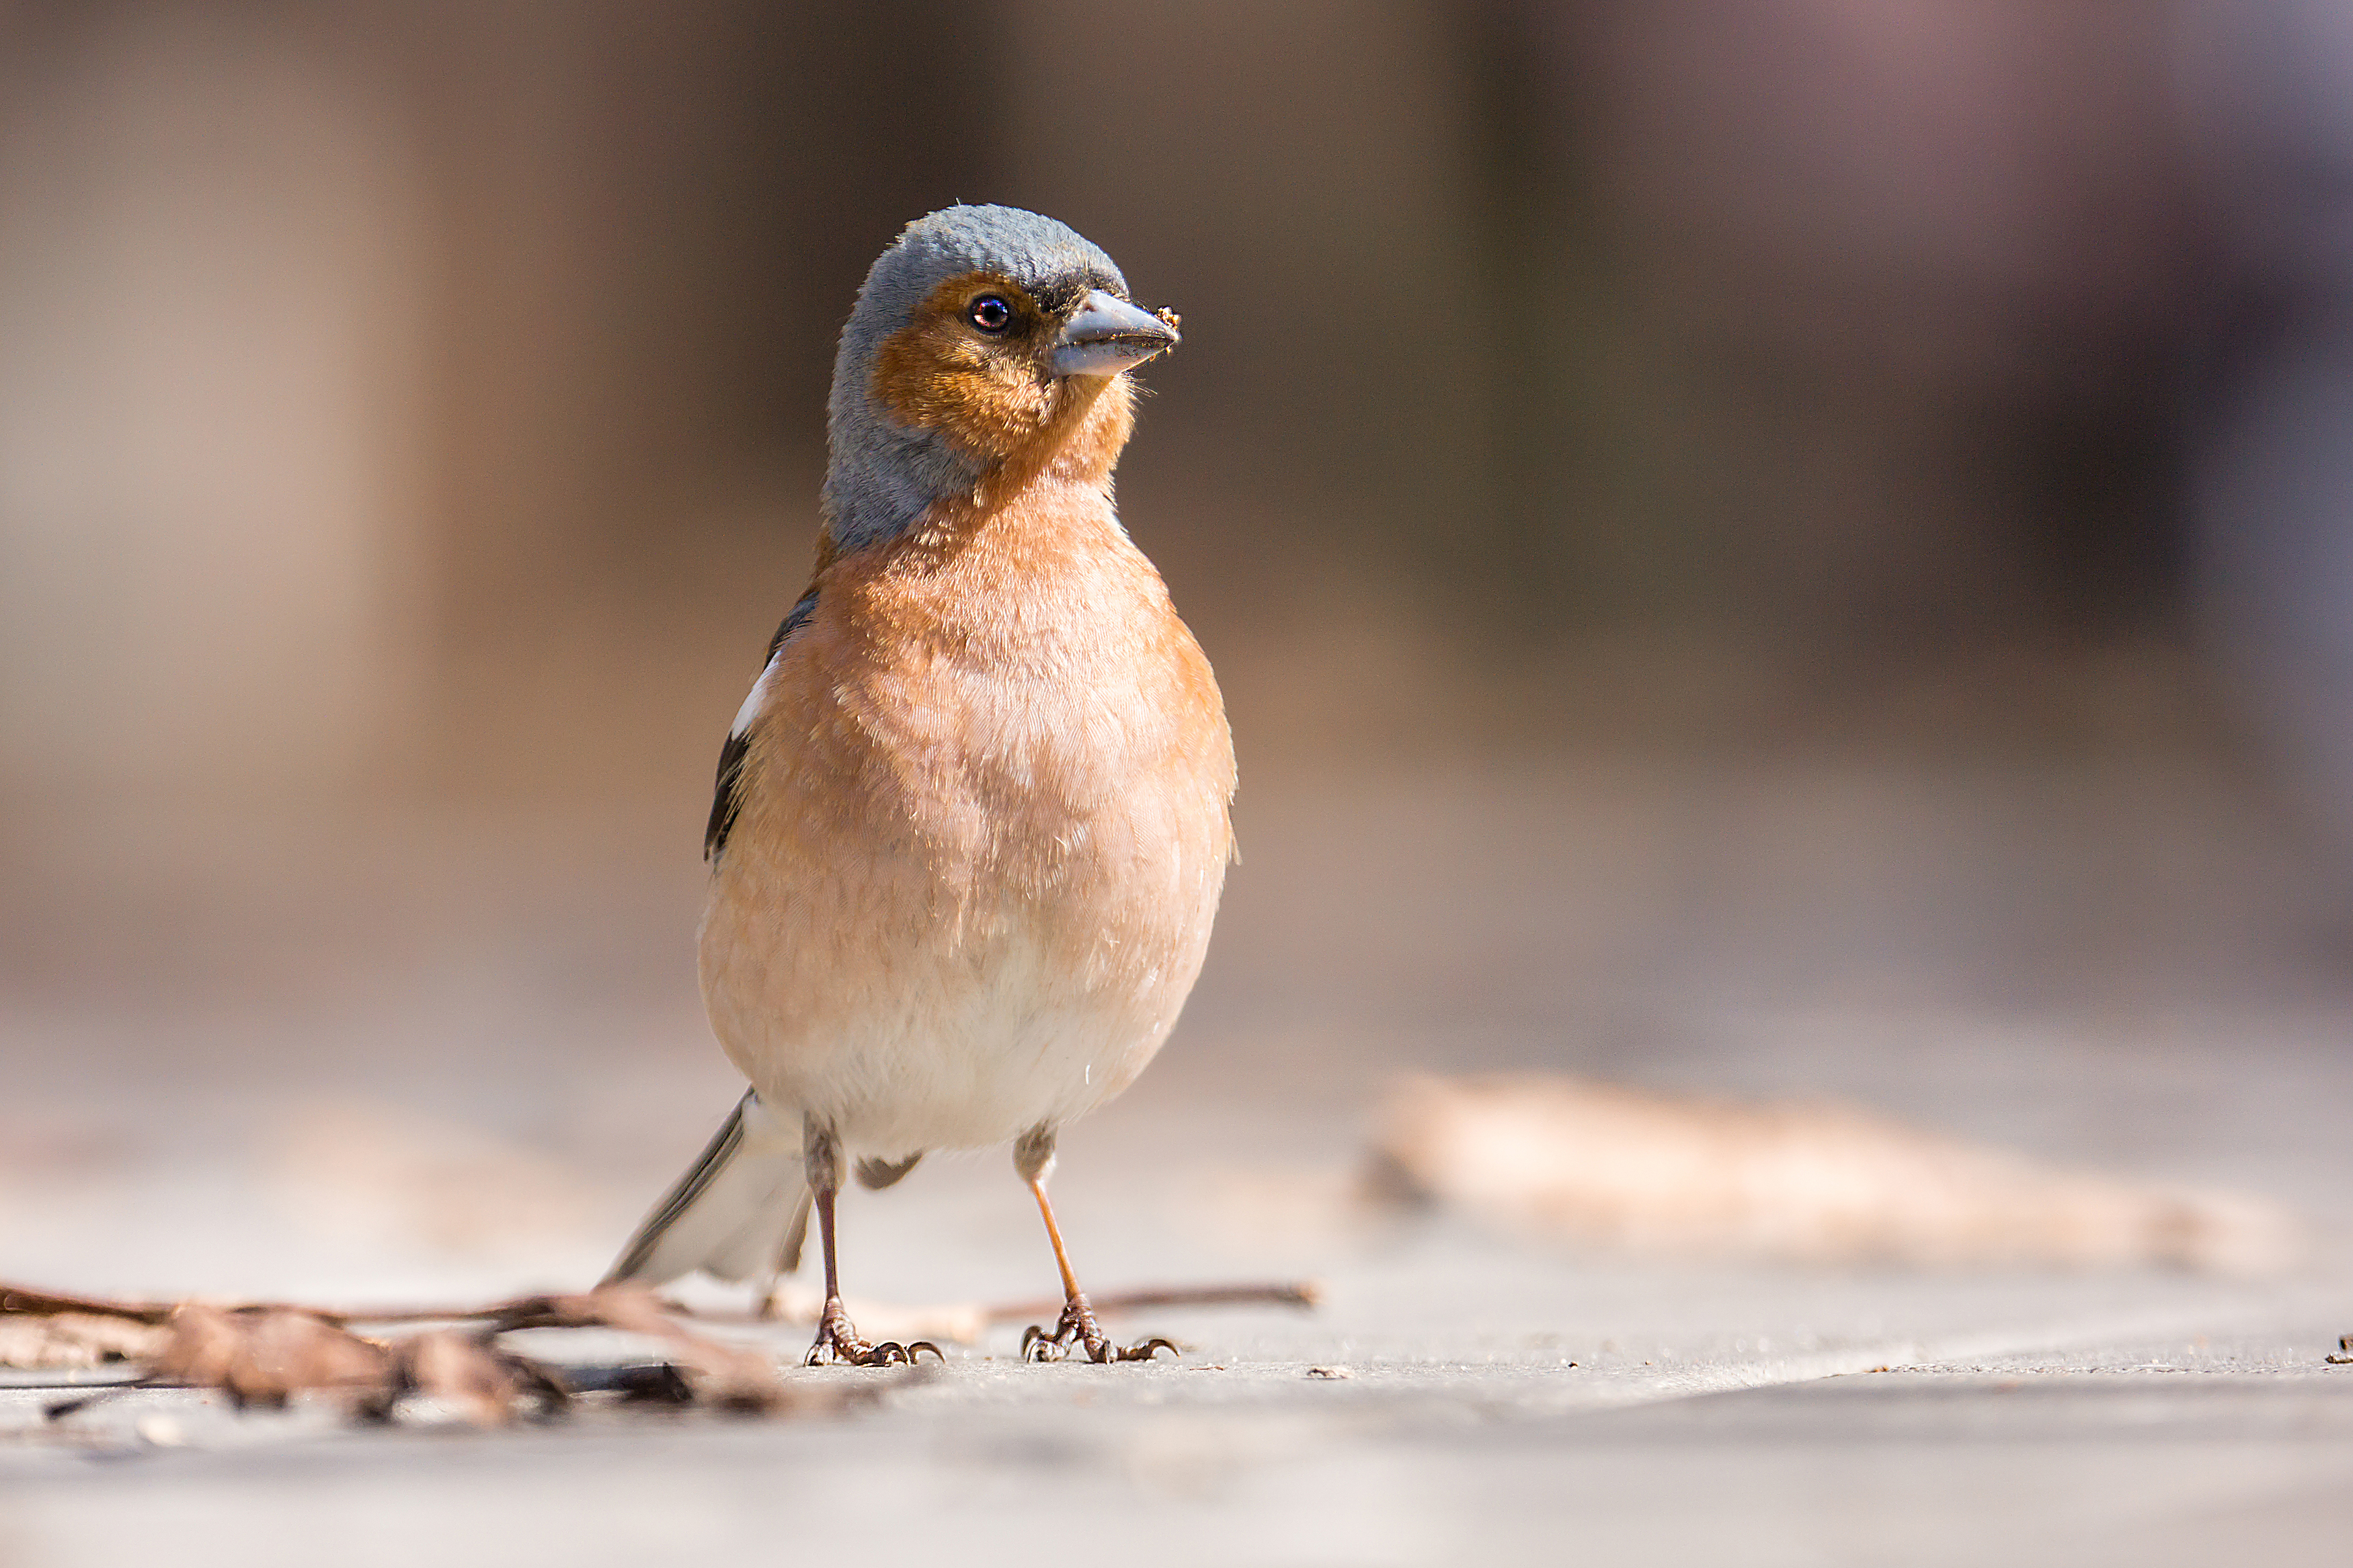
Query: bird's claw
(1146, 1349)
(851, 1351)
(855, 1353)
(837, 1340)
(1078, 1329)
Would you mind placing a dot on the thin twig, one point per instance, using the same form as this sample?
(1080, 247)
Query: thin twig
(22, 1301)
(1303, 1294)
(558, 1311)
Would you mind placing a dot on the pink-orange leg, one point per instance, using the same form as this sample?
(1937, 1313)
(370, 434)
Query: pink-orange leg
(1078, 1320)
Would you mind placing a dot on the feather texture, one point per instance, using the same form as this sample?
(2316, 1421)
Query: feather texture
(738, 1214)
(983, 833)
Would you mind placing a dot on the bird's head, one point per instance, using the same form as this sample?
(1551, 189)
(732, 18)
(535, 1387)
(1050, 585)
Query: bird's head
(987, 342)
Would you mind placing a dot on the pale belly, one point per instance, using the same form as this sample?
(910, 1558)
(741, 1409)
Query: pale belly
(940, 960)
(963, 1050)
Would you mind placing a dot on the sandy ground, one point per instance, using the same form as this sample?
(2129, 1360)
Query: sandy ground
(444, 1059)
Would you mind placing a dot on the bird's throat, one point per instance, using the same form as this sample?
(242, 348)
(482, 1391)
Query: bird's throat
(1080, 441)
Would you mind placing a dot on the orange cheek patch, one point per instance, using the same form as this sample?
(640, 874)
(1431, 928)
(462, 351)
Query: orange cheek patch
(985, 396)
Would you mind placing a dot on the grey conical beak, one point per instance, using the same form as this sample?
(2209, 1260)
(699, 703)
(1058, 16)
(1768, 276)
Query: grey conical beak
(1108, 335)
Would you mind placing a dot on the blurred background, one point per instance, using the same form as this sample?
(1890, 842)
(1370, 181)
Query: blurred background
(1767, 548)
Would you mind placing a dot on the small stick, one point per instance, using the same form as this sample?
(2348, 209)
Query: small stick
(559, 1312)
(21, 1302)
(1302, 1293)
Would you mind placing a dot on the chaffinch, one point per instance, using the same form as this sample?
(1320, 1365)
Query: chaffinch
(971, 824)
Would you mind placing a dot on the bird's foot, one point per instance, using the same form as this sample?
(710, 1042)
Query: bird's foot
(837, 1340)
(1078, 1329)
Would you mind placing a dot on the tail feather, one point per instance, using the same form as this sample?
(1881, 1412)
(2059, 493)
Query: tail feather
(740, 1213)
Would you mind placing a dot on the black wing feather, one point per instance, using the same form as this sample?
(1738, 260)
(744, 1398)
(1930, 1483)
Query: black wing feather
(727, 794)
(726, 798)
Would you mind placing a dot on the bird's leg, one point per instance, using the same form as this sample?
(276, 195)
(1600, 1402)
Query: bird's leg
(1033, 1157)
(836, 1340)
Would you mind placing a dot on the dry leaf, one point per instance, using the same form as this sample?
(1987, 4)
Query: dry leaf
(739, 1378)
(76, 1339)
(479, 1381)
(264, 1356)
(1611, 1167)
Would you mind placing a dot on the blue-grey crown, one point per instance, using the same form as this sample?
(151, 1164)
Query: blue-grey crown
(880, 475)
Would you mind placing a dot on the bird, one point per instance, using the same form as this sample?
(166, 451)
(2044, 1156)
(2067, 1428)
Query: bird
(971, 825)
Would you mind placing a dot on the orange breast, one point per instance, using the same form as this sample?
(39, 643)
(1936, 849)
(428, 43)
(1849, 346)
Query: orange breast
(983, 834)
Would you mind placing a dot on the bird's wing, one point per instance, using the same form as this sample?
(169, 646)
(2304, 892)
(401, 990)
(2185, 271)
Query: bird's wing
(739, 1214)
(726, 798)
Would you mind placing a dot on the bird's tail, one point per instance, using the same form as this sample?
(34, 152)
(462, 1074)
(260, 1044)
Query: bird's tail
(741, 1212)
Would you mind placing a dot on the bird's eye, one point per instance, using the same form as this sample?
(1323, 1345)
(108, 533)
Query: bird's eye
(991, 314)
